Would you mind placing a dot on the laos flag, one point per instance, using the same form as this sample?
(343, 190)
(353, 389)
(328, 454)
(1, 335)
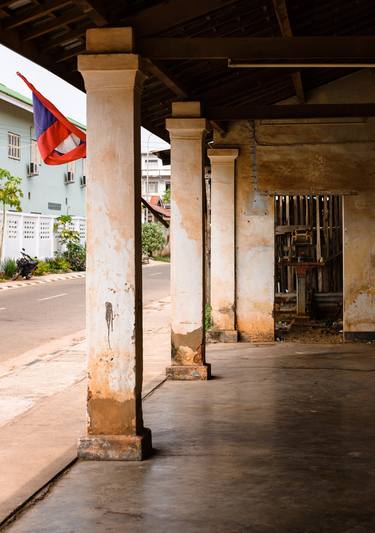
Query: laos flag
(59, 141)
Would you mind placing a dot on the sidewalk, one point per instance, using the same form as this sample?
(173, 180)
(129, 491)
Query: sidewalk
(42, 406)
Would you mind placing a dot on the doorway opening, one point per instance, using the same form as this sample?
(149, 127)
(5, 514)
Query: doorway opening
(308, 267)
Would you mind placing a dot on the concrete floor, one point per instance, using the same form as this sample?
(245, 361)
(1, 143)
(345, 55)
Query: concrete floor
(282, 440)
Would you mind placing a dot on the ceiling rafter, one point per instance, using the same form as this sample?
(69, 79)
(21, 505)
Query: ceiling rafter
(269, 52)
(33, 13)
(297, 111)
(282, 16)
(166, 15)
(94, 9)
(73, 15)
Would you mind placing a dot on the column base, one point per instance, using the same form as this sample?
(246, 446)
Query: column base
(189, 373)
(116, 447)
(222, 335)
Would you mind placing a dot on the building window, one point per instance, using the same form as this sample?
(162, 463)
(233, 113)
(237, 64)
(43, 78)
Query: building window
(14, 146)
(54, 206)
(152, 187)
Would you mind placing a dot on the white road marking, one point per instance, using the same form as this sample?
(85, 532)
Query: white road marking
(2, 308)
(51, 297)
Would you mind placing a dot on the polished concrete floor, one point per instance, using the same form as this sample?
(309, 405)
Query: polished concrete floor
(281, 440)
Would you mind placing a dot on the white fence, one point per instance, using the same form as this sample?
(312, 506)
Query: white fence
(35, 233)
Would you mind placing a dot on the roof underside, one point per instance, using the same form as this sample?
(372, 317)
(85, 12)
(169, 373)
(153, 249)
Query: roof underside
(52, 33)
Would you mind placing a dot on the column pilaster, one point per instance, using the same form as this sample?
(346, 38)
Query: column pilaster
(223, 243)
(113, 83)
(187, 131)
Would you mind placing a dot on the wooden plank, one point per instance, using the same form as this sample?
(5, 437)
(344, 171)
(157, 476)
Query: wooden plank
(72, 15)
(33, 13)
(286, 31)
(253, 52)
(318, 244)
(166, 15)
(254, 111)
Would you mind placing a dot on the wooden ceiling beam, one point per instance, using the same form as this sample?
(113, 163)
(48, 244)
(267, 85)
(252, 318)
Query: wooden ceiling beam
(33, 13)
(165, 15)
(282, 16)
(255, 111)
(290, 52)
(94, 9)
(72, 15)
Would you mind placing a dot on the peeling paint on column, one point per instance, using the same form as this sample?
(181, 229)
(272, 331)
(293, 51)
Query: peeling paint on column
(113, 285)
(187, 244)
(359, 265)
(254, 242)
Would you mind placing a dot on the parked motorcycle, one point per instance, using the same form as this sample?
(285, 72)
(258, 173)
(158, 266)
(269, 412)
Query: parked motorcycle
(26, 265)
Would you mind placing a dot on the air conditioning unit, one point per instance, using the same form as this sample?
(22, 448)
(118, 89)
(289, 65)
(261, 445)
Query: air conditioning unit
(83, 181)
(32, 169)
(69, 177)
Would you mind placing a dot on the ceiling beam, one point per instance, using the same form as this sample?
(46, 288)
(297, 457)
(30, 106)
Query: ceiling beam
(94, 9)
(265, 51)
(254, 111)
(286, 31)
(172, 84)
(165, 15)
(33, 13)
(70, 16)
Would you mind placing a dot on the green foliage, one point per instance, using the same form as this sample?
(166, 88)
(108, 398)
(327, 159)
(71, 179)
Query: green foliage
(53, 265)
(42, 268)
(76, 256)
(74, 253)
(207, 317)
(10, 190)
(10, 196)
(8, 268)
(64, 231)
(153, 239)
(167, 196)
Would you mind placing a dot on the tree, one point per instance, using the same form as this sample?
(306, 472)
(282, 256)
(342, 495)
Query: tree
(74, 252)
(10, 196)
(167, 196)
(153, 238)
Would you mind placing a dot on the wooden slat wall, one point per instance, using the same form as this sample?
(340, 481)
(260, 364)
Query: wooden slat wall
(322, 214)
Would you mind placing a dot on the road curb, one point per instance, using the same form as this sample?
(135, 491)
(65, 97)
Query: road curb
(35, 281)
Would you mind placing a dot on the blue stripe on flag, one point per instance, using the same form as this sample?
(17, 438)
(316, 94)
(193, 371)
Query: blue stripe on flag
(43, 118)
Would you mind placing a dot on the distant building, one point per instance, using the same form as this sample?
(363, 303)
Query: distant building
(156, 181)
(47, 189)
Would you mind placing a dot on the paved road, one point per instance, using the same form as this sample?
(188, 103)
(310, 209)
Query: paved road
(34, 315)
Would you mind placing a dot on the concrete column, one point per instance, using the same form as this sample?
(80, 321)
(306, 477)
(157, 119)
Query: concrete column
(187, 132)
(359, 266)
(114, 274)
(223, 243)
(255, 244)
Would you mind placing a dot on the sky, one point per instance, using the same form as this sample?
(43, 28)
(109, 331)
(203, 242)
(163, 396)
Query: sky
(69, 100)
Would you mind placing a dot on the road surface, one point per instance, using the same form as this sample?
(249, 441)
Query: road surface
(34, 315)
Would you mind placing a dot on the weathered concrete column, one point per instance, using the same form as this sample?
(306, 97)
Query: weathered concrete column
(187, 131)
(114, 275)
(359, 266)
(223, 292)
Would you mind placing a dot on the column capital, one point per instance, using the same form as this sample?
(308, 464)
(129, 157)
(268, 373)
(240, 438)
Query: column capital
(111, 71)
(222, 155)
(186, 128)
